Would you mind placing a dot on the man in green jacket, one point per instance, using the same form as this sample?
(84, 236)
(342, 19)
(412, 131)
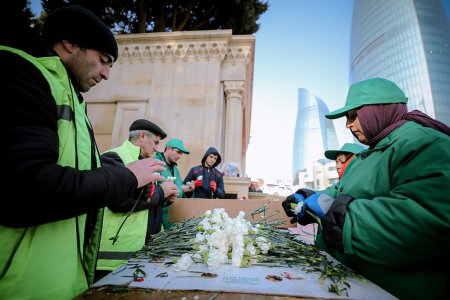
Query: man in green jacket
(388, 217)
(173, 151)
(139, 217)
(49, 230)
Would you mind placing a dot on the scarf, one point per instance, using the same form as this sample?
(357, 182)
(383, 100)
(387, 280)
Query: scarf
(379, 120)
(344, 166)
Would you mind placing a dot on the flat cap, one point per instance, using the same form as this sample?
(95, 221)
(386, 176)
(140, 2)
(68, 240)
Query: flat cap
(79, 26)
(143, 124)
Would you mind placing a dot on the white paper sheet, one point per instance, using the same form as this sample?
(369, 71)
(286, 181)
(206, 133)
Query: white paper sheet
(240, 280)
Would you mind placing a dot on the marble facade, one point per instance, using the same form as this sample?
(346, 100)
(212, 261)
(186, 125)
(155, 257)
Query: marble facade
(196, 85)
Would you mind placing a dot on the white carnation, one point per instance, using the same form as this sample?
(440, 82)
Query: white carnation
(203, 248)
(265, 247)
(220, 236)
(199, 237)
(184, 262)
(205, 224)
(263, 244)
(214, 259)
(251, 249)
(298, 208)
(238, 251)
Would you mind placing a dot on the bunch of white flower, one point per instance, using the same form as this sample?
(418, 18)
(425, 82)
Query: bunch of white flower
(215, 239)
(220, 239)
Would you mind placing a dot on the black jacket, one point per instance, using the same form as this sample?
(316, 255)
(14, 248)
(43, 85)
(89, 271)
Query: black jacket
(208, 174)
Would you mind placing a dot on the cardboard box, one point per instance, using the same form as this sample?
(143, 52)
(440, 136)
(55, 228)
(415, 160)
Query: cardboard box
(186, 208)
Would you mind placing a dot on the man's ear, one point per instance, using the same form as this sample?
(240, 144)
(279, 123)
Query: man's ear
(69, 46)
(142, 135)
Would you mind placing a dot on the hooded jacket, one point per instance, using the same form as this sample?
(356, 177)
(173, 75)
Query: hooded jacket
(396, 230)
(391, 220)
(208, 174)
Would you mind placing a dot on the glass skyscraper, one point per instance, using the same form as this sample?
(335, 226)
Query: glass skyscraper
(408, 42)
(313, 132)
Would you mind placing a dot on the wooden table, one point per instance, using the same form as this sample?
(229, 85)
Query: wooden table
(113, 293)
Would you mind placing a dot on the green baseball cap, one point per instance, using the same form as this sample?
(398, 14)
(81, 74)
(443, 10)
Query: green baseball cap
(367, 92)
(177, 143)
(347, 148)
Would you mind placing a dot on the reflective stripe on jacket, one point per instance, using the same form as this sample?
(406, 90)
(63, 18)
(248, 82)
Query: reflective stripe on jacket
(131, 237)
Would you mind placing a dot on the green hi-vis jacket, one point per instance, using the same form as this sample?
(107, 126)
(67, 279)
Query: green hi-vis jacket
(48, 261)
(132, 235)
(178, 182)
(397, 230)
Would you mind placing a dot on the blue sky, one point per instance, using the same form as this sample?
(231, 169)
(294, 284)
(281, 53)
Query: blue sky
(300, 44)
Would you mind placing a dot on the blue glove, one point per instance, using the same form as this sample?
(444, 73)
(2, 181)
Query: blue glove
(319, 204)
(299, 199)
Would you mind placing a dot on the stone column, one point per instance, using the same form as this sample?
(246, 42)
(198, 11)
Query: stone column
(234, 101)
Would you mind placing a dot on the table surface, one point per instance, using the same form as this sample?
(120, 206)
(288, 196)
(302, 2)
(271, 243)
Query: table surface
(162, 281)
(247, 283)
(114, 293)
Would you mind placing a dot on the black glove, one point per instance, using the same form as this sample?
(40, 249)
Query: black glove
(333, 222)
(299, 196)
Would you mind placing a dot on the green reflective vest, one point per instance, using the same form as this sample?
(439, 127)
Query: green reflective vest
(132, 234)
(48, 261)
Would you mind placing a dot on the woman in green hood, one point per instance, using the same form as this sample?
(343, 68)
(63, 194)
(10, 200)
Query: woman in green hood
(388, 218)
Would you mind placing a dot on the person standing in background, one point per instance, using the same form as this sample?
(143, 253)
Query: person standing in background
(173, 151)
(343, 156)
(50, 230)
(207, 179)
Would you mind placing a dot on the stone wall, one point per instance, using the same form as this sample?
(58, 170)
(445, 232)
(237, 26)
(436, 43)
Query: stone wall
(196, 85)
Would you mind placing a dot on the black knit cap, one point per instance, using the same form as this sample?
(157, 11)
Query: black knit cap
(79, 26)
(142, 124)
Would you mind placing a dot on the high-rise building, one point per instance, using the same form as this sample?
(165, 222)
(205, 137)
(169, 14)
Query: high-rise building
(408, 42)
(313, 133)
